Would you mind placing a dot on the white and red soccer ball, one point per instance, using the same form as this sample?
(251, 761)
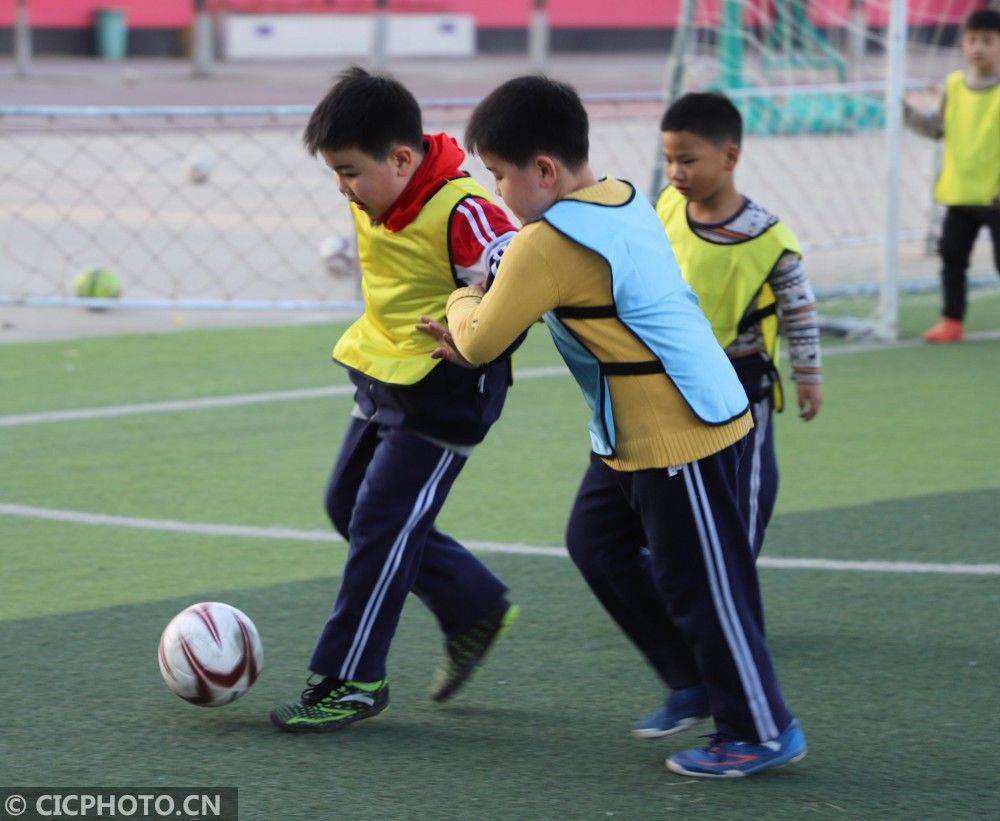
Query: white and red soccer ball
(210, 654)
(340, 256)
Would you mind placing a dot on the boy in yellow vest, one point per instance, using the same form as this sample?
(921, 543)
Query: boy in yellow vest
(424, 227)
(969, 182)
(746, 269)
(668, 418)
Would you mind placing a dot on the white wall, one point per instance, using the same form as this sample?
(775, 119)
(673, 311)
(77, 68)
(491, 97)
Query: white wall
(347, 35)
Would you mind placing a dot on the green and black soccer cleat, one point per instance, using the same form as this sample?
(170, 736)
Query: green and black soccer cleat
(465, 652)
(332, 704)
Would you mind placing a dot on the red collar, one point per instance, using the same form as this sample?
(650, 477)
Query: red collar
(442, 161)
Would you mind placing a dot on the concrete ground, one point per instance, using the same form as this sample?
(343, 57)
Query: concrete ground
(155, 81)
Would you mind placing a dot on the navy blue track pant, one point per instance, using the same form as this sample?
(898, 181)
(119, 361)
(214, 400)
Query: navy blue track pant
(691, 603)
(384, 493)
(758, 474)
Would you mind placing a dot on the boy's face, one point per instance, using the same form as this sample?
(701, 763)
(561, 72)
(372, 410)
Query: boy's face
(982, 50)
(696, 167)
(527, 191)
(373, 185)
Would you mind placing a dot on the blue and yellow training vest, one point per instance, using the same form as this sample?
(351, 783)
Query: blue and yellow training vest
(651, 302)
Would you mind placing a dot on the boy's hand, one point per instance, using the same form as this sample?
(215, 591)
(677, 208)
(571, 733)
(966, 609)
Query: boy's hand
(446, 345)
(924, 99)
(810, 398)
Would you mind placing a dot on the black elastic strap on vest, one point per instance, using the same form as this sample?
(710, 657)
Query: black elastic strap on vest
(750, 369)
(754, 366)
(587, 312)
(754, 317)
(631, 368)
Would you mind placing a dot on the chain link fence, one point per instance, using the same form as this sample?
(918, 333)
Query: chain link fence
(222, 207)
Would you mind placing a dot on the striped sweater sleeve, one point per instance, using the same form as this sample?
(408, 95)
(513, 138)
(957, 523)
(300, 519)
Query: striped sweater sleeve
(797, 317)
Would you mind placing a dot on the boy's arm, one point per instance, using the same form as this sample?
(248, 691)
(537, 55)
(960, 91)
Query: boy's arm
(483, 326)
(477, 237)
(800, 325)
(926, 123)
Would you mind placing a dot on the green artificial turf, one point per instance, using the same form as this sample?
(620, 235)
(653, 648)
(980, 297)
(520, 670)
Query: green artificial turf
(893, 675)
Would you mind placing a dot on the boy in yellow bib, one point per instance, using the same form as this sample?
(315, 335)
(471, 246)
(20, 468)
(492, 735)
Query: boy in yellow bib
(745, 266)
(424, 228)
(969, 182)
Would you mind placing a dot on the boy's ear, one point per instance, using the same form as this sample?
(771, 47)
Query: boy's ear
(403, 159)
(732, 156)
(548, 170)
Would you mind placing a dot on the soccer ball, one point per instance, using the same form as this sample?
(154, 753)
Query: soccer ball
(199, 168)
(210, 654)
(96, 282)
(339, 256)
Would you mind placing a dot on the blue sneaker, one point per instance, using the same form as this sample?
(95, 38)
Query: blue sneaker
(732, 759)
(682, 709)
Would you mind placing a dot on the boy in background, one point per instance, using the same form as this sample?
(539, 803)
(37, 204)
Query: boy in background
(668, 422)
(969, 183)
(746, 269)
(424, 227)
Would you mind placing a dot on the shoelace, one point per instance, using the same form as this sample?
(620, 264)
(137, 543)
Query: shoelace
(716, 741)
(315, 693)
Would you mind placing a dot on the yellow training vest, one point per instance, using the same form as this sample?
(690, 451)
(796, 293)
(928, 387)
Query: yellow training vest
(729, 280)
(404, 274)
(970, 168)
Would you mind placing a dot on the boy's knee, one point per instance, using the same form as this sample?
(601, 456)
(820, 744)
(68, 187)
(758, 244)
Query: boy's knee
(339, 514)
(591, 558)
(579, 547)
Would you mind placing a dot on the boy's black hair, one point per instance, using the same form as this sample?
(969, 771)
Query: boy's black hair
(365, 111)
(983, 20)
(709, 115)
(528, 116)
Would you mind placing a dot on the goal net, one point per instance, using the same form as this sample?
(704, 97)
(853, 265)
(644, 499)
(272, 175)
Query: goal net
(818, 83)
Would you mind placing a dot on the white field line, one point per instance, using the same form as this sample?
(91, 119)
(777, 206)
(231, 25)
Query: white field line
(234, 400)
(238, 531)
(291, 534)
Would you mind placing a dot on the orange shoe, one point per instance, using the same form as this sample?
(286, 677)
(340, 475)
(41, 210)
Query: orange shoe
(947, 330)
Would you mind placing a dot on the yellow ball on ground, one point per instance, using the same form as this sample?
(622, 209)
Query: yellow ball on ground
(97, 282)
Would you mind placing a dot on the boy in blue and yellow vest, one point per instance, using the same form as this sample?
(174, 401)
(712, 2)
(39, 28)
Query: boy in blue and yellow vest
(969, 182)
(424, 227)
(668, 417)
(746, 269)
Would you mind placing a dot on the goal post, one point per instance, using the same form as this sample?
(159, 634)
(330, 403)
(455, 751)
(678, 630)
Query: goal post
(887, 320)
